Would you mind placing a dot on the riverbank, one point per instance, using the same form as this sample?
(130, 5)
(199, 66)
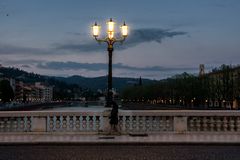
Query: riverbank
(146, 106)
(32, 106)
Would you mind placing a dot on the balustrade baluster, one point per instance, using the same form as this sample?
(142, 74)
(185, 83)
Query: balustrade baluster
(95, 123)
(54, 123)
(134, 124)
(131, 123)
(161, 124)
(74, 122)
(212, 121)
(168, 126)
(31, 123)
(205, 124)
(91, 123)
(19, 124)
(225, 124)
(147, 123)
(84, 122)
(87, 122)
(144, 123)
(191, 124)
(140, 123)
(218, 124)
(67, 122)
(25, 123)
(6, 125)
(198, 124)
(127, 123)
(232, 124)
(81, 122)
(156, 123)
(137, 124)
(120, 123)
(13, 124)
(150, 123)
(61, 123)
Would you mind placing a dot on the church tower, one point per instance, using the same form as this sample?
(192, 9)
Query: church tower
(201, 70)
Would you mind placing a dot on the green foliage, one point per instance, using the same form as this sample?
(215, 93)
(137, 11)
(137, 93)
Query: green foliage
(101, 82)
(6, 91)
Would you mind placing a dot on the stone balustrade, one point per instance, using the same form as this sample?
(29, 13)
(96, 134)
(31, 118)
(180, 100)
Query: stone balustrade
(45, 121)
(165, 121)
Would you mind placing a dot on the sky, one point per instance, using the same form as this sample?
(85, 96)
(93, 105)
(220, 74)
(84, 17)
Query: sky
(166, 37)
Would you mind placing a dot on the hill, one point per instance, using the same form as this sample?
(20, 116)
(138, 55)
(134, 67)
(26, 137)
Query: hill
(101, 82)
(82, 82)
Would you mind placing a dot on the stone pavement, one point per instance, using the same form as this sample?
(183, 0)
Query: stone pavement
(119, 152)
(19, 138)
(72, 146)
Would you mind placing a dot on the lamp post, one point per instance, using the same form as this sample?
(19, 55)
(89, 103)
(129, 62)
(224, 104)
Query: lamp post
(110, 40)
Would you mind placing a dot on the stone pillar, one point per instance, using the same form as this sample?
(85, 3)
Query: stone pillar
(180, 124)
(39, 124)
(106, 125)
(235, 105)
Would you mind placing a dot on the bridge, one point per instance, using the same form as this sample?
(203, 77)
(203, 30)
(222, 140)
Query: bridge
(165, 133)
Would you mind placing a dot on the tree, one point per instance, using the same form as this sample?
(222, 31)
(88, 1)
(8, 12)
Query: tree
(6, 91)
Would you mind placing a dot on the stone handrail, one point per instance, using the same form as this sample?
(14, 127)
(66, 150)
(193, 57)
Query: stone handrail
(180, 121)
(45, 121)
(174, 121)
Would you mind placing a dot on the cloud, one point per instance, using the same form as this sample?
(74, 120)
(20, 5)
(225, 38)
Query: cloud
(25, 66)
(135, 38)
(23, 61)
(103, 66)
(6, 49)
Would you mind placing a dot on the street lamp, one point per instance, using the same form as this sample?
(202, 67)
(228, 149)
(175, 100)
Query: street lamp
(110, 40)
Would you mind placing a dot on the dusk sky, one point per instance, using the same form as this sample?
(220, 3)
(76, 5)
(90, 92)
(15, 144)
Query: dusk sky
(167, 37)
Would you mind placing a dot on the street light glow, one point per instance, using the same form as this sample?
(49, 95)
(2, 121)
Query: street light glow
(111, 31)
(110, 35)
(96, 29)
(124, 29)
(110, 24)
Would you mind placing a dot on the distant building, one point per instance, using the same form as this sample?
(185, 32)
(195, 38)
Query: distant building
(37, 92)
(44, 92)
(19, 90)
(225, 87)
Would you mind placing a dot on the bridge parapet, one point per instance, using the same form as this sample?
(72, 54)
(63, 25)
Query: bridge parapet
(149, 122)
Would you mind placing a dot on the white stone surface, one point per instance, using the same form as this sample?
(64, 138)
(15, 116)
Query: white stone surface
(180, 124)
(39, 124)
(153, 138)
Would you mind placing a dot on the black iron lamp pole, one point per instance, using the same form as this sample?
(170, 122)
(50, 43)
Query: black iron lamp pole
(110, 40)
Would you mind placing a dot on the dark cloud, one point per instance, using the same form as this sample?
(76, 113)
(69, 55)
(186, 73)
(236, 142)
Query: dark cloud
(135, 38)
(12, 50)
(76, 34)
(23, 61)
(25, 66)
(103, 66)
